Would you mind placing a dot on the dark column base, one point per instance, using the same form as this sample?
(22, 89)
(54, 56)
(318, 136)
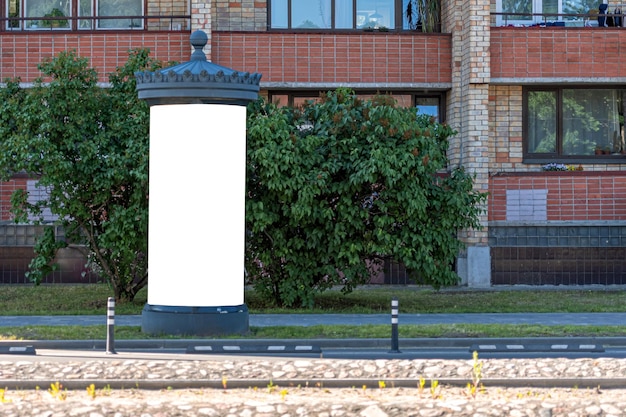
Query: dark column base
(194, 321)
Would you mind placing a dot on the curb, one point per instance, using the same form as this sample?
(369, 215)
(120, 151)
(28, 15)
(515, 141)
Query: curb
(156, 344)
(159, 384)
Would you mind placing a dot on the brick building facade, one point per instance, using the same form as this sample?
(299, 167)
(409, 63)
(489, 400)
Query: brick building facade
(488, 78)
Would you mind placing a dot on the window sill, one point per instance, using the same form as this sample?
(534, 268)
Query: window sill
(588, 173)
(599, 159)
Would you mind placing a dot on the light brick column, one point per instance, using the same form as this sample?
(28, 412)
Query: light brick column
(468, 111)
(240, 15)
(201, 20)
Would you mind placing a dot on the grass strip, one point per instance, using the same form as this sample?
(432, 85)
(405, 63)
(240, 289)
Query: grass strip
(91, 299)
(325, 332)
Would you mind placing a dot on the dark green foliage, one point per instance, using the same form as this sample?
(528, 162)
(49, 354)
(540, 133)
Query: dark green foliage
(337, 186)
(88, 147)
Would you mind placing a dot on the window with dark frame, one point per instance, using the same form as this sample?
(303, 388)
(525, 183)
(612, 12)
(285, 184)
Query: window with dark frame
(432, 104)
(49, 14)
(568, 123)
(338, 14)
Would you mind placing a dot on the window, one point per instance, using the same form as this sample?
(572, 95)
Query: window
(517, 12)
(430, 104)
(46, 8)
(573, 123)
(338, 14)
(39, 14)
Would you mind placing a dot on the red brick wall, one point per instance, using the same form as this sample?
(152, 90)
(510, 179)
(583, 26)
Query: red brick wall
(6, 190)
(22, 52)
(571, 195)
(280, 57)
(557, 52)
(337, 58)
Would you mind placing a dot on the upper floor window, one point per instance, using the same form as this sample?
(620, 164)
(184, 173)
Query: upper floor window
(573, 123)
(532, 12)
(338, 14)
(52, 14)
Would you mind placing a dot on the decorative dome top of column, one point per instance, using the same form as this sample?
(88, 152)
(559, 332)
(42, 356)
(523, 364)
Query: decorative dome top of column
(197, 81)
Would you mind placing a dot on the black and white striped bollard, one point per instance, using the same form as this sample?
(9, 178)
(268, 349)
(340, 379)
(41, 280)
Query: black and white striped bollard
(110, 326)
(394, 326)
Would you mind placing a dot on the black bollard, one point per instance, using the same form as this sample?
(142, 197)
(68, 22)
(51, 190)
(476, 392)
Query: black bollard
(111, 326)
(394, 326)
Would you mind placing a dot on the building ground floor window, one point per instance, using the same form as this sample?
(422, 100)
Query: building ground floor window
(570, 124)
(429, 103)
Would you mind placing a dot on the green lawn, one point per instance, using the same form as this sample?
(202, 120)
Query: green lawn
(92, 299)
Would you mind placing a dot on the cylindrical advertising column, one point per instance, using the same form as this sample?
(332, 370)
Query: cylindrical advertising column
(196, 231)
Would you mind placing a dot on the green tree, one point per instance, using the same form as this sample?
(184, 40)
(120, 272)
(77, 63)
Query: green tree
(87, 146)
(336, 186)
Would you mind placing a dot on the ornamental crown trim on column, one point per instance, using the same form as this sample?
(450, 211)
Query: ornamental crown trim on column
(197, 81)
(204, 76)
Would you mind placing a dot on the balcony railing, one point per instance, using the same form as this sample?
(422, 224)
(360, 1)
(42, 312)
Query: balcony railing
(591, 19)
(90, 23)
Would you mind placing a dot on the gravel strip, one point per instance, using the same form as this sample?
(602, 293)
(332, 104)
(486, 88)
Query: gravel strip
(283, 389)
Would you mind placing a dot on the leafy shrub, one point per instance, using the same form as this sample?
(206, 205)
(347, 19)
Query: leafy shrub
(339, 185)
(87, 146)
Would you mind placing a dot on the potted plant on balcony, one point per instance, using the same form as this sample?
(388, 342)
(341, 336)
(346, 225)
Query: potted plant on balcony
(55, 23)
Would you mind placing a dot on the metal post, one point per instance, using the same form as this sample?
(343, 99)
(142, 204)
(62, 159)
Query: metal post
(110, 349)
(394, 326)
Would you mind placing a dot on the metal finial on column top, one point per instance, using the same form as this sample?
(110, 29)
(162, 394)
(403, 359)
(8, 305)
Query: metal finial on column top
(197, 81)
(198, 40)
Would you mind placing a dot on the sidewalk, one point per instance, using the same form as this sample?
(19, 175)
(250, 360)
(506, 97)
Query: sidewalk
(267, 320)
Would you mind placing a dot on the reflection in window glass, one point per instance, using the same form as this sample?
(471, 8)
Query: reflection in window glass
(403, 100)
(279, 14)
(14, 11)
(575, 122)
(405, 20)
(280, 100)
(542, 122)
(47, 8)
(428, 105)
(85, 8)
(343, 14)
(39, 13)
(375, 14)
(550, 6)
(591, 120)
(339, 14)
(120, 8)
(516, 6)
(578, 7)
(311, 14)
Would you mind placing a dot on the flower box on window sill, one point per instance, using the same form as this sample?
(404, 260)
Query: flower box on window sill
(554, 167)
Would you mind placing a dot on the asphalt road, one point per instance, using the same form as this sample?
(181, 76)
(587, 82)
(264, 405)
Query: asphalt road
(265, 320)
